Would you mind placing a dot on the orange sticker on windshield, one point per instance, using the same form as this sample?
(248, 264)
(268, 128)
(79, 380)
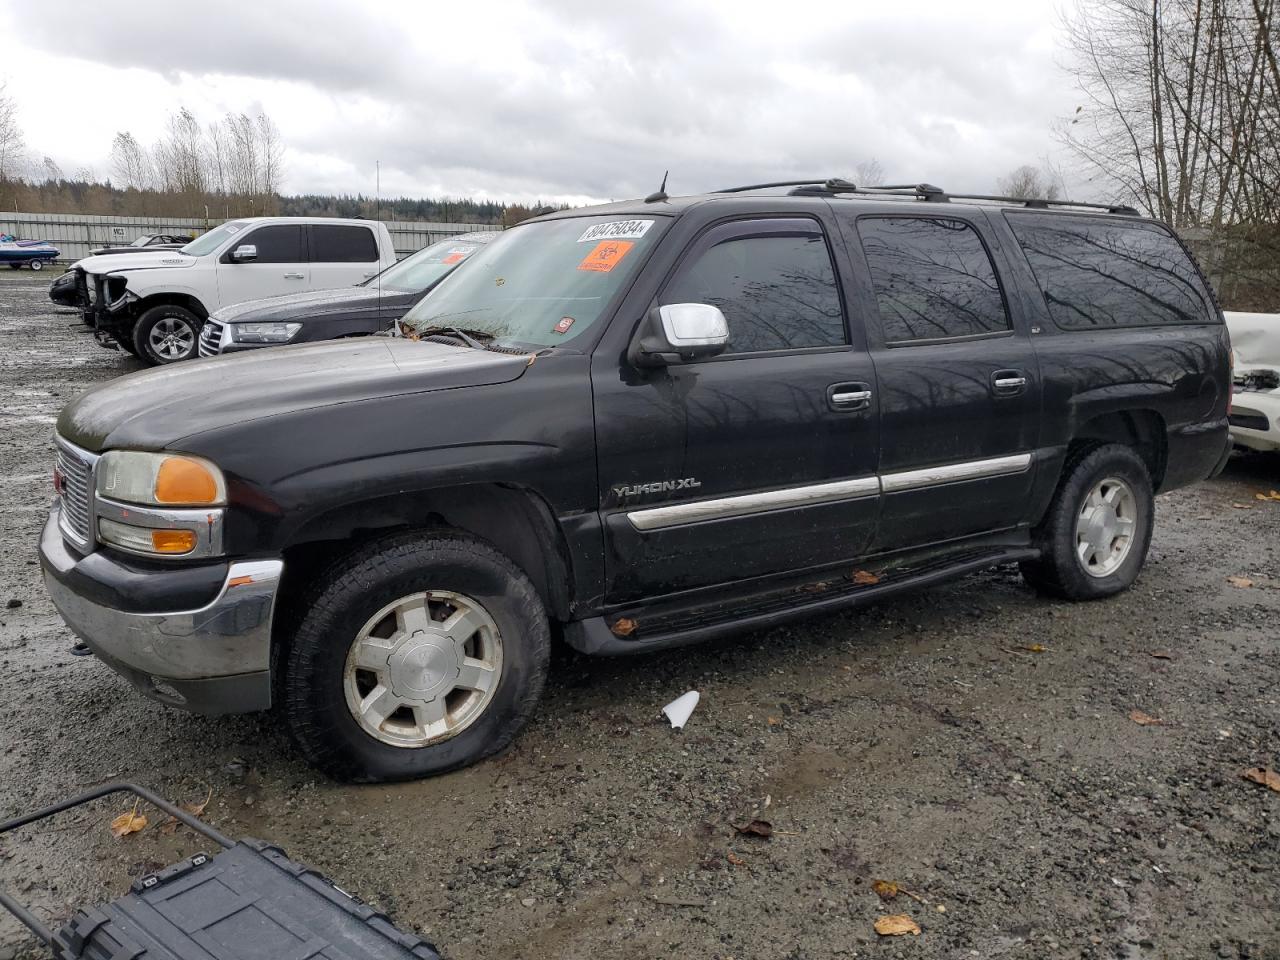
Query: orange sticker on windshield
(454, 258)
(606, 255)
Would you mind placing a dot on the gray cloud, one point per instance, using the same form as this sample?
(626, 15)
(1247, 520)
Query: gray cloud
(582, 99)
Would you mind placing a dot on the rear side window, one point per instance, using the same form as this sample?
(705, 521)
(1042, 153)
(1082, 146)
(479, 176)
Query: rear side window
(276, 244)
(933, 279)
(1103, 273)
(777, 288)
(342, 244)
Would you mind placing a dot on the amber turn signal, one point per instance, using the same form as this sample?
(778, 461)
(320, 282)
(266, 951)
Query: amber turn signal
(173, 541)
(182, 480)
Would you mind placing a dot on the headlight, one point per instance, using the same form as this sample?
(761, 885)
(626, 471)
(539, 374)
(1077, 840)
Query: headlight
(264, 332)
(160, 479)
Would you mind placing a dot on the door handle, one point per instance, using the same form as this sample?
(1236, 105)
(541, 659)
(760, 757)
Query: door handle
(849, 396)
(1008, 383)
(295, 276)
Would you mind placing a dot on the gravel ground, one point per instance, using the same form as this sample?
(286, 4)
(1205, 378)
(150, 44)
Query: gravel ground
(918, 741)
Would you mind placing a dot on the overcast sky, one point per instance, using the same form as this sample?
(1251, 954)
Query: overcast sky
(569, 100)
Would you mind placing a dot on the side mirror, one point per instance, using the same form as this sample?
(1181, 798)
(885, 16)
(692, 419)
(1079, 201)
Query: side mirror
(245, 253)
(679, 333)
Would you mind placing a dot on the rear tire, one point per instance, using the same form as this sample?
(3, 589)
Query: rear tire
(36, 265)
(166, 334)
(415, 655)
(1095, 536)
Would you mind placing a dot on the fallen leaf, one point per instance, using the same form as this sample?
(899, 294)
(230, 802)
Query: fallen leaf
(1161, 655)
(1029, 648)
(128, 822)
(756, 828)
(1241, 582)
(1264, 777)
(1144, 719)
(195, 809)
(736, 860)
(885, 889)
(897, 924)
(773, 721)
(865, 577)
(1270, 495)
(1242, 506)
(624, 627)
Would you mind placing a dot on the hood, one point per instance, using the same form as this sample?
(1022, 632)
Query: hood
(1255, 339)
(154, 410)
(150, 260)
(313, 303)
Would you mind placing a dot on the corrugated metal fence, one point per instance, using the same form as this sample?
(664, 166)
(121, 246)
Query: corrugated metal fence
(75, 235)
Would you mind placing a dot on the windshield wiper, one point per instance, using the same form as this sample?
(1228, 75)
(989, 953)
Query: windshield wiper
(476, 339)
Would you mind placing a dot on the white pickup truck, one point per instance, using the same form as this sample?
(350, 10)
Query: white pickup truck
(153, 304)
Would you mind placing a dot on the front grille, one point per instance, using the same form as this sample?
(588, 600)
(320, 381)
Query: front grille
(76, 468)
(211, 338)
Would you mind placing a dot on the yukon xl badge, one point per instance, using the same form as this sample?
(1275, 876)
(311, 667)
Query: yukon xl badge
(629, 491)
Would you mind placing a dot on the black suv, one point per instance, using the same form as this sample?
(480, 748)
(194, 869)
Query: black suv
(636, 425)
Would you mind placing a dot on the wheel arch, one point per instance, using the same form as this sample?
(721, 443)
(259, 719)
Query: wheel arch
(515, 520)
(1141, 428)
(173, 299)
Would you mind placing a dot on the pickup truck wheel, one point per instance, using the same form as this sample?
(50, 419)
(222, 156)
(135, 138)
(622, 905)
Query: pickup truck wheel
(1095, 536)
(416, 655)
(166, 334)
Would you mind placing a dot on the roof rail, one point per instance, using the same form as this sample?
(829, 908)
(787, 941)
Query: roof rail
(920, 191)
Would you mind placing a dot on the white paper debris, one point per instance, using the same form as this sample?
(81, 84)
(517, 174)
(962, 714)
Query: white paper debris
(679, 710)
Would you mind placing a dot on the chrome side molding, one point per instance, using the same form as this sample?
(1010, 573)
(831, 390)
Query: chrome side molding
(723, 508)
(954, 472)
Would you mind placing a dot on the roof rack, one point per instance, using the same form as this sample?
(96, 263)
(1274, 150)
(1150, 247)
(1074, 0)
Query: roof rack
(926, 192)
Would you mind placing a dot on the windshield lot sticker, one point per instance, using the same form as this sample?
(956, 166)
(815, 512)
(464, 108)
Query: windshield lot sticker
(605, 255)
(564, 325)
(616, 230)
(455, 256)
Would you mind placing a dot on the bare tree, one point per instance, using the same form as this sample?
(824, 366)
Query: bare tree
(13, 149)
(180, 155)
(1028, 183)
(1181, 106)
(130, 164)
(868, 173)
(52, 172)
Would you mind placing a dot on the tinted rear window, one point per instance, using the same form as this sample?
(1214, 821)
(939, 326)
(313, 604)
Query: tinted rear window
(1104, 273)
(933, 279)
(342, 244)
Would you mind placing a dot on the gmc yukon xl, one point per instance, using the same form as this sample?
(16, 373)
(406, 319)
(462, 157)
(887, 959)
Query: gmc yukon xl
(636, 426)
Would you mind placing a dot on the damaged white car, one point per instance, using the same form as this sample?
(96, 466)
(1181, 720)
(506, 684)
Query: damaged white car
(1255, 405)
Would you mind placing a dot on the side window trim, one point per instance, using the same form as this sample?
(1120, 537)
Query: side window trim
(751, 225)
(991, 259)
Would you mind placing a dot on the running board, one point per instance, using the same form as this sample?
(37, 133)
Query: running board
(662, 626)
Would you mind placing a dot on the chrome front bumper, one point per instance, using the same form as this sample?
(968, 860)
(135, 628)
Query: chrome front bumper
(215, 659)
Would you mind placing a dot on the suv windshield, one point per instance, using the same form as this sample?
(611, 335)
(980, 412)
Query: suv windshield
(541, 284)
(426, 267)
(212, 240)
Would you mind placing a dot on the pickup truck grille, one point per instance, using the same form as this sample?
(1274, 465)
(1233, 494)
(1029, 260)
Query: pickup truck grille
(75, 466)
(211, 338)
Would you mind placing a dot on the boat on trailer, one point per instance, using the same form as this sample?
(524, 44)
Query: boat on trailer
(26, 253)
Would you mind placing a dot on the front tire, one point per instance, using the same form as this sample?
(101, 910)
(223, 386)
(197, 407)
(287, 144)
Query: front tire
(166, 334)
(1095, 536)
(415, 655)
